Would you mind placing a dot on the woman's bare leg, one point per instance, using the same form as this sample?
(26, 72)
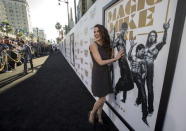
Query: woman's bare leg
(98, 104)
(99, 113)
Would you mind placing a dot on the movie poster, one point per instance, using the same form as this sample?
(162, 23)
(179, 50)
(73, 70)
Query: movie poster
(142, 28)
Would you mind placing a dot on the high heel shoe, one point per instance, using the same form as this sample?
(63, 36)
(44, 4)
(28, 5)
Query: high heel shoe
(100, 120)
(91, 117)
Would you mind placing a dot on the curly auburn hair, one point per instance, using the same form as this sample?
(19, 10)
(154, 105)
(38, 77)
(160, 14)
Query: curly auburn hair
(105, 38)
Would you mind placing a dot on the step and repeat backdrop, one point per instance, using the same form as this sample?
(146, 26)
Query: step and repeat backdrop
(143, 28)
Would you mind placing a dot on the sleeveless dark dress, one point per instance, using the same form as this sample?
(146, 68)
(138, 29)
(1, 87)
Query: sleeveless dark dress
(101, 78)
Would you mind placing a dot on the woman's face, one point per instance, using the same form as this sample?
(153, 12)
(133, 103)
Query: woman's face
(97, 35)
(152, 37)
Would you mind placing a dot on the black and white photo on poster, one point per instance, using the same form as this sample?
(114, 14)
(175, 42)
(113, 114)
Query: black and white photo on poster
(65, 48)
(143, 30)
(68, 49)
(72, 57)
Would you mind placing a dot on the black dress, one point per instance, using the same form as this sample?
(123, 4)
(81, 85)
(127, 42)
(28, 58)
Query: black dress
(101, 78)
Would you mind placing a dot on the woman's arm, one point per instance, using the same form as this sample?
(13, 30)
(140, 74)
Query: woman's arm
(98, 59)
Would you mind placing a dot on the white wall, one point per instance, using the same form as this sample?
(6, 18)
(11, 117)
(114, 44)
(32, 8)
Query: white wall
(83, 36)
(176, 113)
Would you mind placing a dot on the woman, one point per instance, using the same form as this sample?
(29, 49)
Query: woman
(101, 81)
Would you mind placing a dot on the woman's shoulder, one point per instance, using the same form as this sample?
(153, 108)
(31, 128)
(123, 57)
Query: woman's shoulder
(92, 45)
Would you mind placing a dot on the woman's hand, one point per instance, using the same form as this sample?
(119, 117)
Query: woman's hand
(119, 55)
